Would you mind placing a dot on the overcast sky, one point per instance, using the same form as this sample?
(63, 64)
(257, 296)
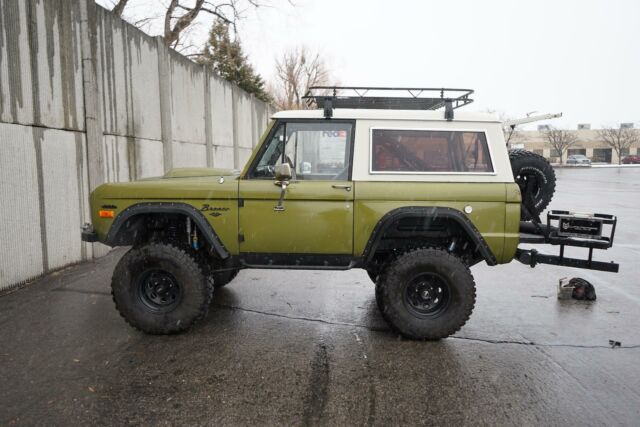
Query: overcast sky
(579, 57)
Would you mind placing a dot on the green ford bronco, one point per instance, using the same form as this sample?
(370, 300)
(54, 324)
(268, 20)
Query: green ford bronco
(387, 180)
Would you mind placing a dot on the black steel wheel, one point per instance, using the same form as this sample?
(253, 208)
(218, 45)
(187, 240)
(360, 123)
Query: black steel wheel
(426, 294)
(160, 288)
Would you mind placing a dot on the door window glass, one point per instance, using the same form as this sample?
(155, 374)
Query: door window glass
(314, 150)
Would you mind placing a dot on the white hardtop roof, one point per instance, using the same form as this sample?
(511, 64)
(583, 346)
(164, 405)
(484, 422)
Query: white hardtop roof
(370, 114)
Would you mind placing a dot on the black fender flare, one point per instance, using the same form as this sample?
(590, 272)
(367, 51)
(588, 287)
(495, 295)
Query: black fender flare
(428, 211)
(196, 216)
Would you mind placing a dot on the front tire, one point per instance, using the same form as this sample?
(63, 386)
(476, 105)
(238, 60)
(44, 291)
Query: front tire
(426, 294)
(160, 288)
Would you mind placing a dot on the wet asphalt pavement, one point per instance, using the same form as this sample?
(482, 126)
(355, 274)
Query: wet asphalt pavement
(307, 348)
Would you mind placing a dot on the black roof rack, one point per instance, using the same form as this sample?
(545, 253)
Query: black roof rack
(387, 98)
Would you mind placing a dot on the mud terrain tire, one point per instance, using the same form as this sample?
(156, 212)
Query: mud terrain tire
(161, 288)
(526, 166)
(426, 294)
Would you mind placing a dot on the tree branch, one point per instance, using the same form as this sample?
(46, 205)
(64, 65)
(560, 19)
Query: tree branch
(119, 7)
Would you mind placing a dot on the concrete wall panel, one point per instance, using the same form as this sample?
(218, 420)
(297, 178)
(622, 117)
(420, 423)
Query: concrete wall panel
(59, 102)
(129, 83)
(15, 71)
(150, 161)
(189, 155)
(116, 159)
(221, 99)
(127, 158)
(244, 118)
(40, 63)
(20, 242)
(243, 156)
(62, 196)
(187, 99)
(259, 122)
(223, 157)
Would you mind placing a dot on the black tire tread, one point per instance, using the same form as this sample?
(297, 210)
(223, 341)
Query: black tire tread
(182, 257)
(520, 154)
(417, 256)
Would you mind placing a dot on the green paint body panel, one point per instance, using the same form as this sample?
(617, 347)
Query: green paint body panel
(375, 199)
(196, 192)
(318, 218)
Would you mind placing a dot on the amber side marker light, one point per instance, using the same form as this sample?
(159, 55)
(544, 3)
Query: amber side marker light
(106, 214)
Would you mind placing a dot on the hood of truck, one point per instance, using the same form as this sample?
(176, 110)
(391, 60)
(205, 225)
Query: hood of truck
(199, 172)
(176, 185)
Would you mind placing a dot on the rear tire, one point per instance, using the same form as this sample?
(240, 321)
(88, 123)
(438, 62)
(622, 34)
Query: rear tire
(426, 294)
(527, 166)
(160, 288)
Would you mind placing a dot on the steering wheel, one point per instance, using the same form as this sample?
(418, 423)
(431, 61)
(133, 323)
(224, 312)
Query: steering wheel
(266, 170)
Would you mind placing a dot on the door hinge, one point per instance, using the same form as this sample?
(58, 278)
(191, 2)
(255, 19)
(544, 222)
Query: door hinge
(241, 203)
(240, 237)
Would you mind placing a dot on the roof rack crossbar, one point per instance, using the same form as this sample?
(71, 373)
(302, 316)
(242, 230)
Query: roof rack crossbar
(404, 98)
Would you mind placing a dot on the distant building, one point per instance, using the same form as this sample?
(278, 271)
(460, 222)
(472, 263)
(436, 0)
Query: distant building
(589, 144)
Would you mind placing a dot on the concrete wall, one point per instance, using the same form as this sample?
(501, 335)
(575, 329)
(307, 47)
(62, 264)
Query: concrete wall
(86, 98)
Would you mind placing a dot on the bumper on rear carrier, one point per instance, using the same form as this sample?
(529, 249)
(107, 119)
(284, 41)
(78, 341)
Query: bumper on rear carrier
(564, 228)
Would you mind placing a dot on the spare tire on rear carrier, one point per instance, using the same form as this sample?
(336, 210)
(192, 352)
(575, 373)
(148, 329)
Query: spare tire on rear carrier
(537, 181)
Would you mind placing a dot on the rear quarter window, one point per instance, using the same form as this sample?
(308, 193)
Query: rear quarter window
(429, 151)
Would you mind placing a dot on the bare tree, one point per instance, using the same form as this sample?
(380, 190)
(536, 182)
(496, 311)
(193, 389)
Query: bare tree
(560, 140)
(296, 71)
(620, 139)
(511, 135)
(118, 8)
(178, 16)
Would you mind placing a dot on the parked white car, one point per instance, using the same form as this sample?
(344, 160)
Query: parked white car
(578, 159)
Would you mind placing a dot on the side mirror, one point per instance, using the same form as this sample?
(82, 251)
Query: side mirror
(283, 172)
(283, 175)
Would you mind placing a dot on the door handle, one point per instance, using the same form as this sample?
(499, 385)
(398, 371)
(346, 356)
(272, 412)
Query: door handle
(346, 187)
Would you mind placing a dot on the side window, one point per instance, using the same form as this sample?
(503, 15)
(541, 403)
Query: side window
(318, 150)
(406, 151)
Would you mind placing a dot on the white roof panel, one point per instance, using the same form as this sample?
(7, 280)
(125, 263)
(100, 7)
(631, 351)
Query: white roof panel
(341, 113)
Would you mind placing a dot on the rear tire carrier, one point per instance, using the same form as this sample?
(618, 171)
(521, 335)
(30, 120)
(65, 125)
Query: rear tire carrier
(564, 228)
